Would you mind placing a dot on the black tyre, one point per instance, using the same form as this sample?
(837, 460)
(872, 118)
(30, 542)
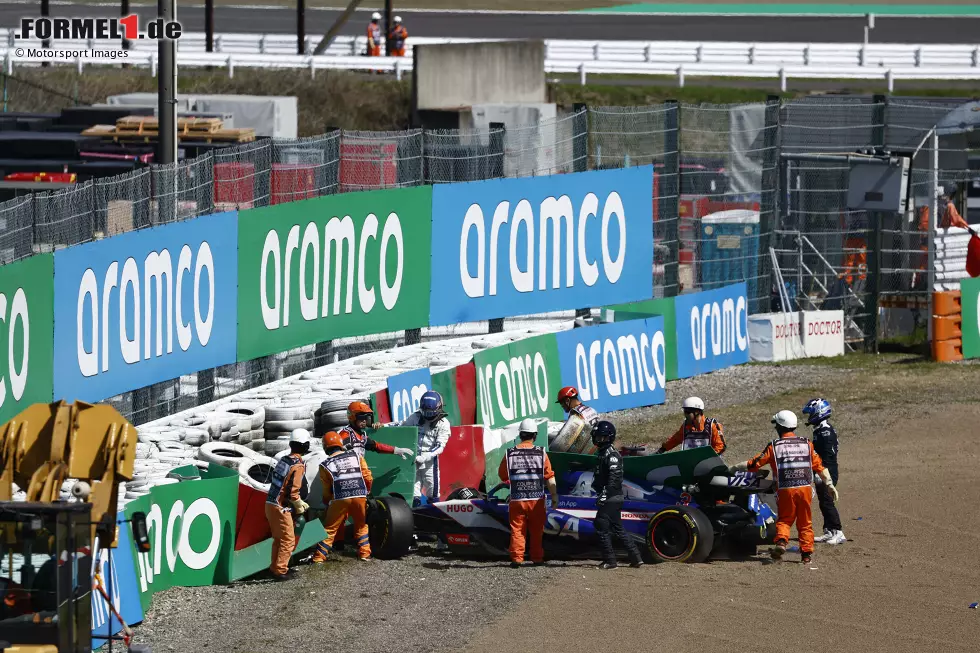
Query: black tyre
(680, 534)
(391, 525)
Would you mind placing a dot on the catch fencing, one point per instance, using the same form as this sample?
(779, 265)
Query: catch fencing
(751, 192)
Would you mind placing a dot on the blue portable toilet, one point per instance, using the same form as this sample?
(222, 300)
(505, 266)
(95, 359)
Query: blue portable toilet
(730, 249)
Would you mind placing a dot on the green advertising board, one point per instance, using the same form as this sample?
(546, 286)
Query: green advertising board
(344, 265)
(970, 316)
(26, 334)
(392, 475)
(672, 469)
(639, 310)
(518, 380)
(191, 526)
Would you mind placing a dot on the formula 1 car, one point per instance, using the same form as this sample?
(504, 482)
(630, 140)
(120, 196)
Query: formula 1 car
(679, 507)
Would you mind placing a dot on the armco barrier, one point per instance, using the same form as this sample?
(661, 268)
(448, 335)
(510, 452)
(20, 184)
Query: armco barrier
(616, 366)
(405, 390)
(712, 330)
(344, 265)
(144, 307)
(970, 303)
(530, 245)
(639, 310)
(191, 529)
(518, 380)
(26, 334)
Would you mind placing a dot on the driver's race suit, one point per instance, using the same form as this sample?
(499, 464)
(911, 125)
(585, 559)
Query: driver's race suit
(608, 485)
(433, 438)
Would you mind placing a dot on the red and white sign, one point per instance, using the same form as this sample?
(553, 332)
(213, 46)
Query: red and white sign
(462, 540)
(788, 336)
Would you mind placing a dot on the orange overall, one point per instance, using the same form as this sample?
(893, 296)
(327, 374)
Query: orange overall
(949, 217)
(373, 40)
(287, 479)
(527, 468)
(398, 37)
(704, 432)
(346, 482)
(793, 462)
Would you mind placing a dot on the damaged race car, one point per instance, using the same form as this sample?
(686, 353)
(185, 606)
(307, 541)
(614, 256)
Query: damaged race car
(679, 507)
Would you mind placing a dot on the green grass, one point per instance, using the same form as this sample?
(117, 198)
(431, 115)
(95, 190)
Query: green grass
(366, 102)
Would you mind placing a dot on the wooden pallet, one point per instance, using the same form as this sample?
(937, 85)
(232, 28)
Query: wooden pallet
(143, 124)
(242, 135)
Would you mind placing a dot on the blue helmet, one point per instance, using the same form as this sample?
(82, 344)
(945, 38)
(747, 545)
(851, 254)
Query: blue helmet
(817, 410)
(431, 405)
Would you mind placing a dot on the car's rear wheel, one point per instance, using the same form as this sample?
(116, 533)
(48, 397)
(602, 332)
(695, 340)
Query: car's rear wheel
(680, 534)
(391, 525)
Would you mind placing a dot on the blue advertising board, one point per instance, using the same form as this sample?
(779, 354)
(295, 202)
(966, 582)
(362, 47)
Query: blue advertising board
(508, 247)
(617, 365)
(118, 573)
(712, 330)
(405, 390)
(145, 307)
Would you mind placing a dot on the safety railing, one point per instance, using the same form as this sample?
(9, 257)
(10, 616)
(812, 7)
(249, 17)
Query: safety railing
(820, 55)
(400, 65)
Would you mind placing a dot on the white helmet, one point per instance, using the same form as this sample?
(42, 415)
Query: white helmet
(693, 402)
(300, 436)
(785, 419)
(375, 16)
(528, 425)
(398, 19)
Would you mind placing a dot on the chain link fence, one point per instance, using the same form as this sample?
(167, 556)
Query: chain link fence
(752, 192)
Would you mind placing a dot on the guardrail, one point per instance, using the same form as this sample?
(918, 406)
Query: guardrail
(398, 66)
(676, 52)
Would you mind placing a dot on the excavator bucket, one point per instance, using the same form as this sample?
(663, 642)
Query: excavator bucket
(48, 443)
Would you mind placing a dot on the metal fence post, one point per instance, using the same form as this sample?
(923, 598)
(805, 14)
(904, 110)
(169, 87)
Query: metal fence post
(498, 129)
(669, 195)
(768, 204)
(580, 142)
(874, 244)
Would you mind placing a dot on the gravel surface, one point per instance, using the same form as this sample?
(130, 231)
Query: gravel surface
(728, 387)
(903, 581)
(896, 586)
(424, 602)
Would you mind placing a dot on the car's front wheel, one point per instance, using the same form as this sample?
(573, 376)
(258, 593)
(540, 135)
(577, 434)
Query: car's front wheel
(391, 525)
(680, 534)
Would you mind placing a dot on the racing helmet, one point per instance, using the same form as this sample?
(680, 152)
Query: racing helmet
(357, 411)
(817, 411)
(375, 16)
(568, 392)
(332, 440)
(693, 403)
(603, 434)
(528, 430)
(398, 19)
(785, 419)
(430, 406)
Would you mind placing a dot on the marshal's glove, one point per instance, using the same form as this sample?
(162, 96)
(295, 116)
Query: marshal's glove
(299, 506)
(404, 452)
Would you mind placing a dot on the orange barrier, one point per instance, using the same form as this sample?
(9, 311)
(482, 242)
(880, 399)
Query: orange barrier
(947, 332)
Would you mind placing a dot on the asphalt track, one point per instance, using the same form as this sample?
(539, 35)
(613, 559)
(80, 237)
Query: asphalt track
(528, 25)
